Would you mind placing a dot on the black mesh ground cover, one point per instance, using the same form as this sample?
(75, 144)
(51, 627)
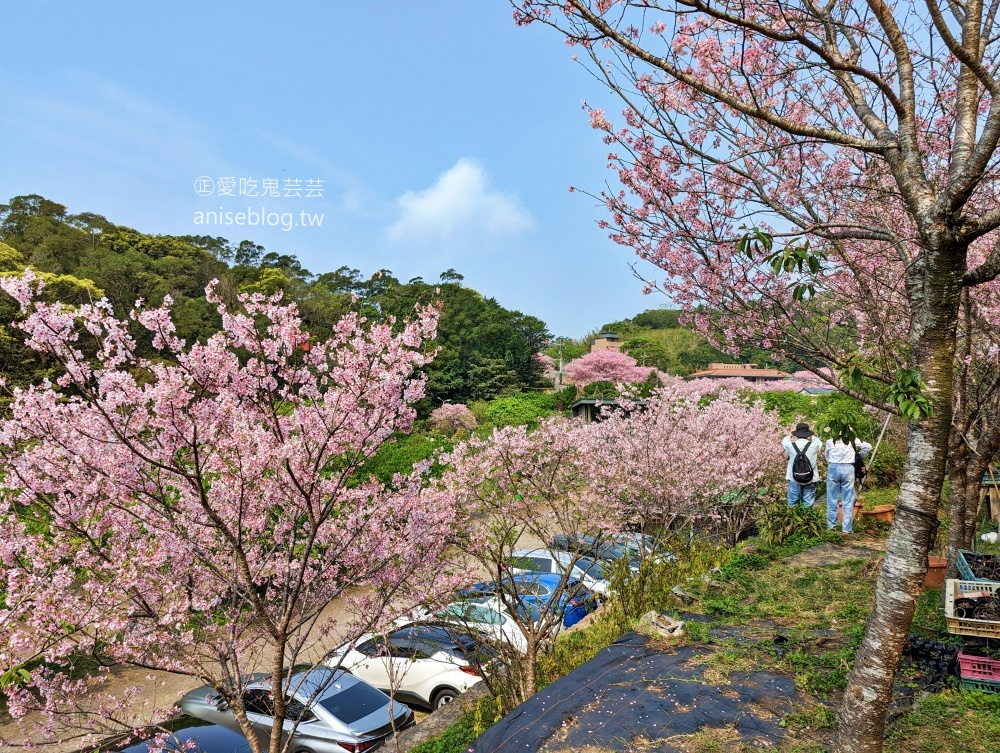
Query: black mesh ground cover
(632, 690)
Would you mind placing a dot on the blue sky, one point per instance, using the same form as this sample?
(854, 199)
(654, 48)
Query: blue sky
(442, 134)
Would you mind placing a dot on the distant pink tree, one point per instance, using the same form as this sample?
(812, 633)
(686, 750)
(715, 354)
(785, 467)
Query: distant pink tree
(605, 366)
(451, 417)
(197, 512)
(675, 460)
(545, 361)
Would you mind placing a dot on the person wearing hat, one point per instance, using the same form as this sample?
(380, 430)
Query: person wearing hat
(802, 442)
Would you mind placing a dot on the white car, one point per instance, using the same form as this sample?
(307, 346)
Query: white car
(488, 615)
(424, 664)
(590, 571)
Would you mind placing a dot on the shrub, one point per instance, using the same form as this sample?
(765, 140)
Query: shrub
(604, 390)
(778, 523)
(399, 457)
(564, 398)
(523, 409)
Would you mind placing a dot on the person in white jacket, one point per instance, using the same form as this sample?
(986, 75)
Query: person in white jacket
(802, 439)
(840, 481)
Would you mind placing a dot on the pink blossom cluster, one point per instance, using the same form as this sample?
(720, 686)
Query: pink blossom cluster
(532, 481)
(199, 510)
(605, 366)
(544, 360)
(678, 457)
(451, 417)
(672, 457)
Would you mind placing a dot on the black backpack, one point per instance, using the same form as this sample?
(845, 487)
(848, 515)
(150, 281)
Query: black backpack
(860, 465)
(802, 469)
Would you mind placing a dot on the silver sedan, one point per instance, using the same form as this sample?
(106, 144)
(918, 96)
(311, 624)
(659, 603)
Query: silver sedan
(328, 711)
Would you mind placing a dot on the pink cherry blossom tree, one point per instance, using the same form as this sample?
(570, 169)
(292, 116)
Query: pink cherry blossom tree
(605, 366)
(867, 129)
(451, 417)
(517, 489)
(545, 361)
(198, 513)
(672, 461)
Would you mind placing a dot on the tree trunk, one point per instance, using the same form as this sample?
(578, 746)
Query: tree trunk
(529, 677)
(278, 695)
(957, 505)
(934, 299)
(972, 509)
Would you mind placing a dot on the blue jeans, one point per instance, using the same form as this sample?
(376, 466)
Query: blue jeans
(840, 489)
(807, 491)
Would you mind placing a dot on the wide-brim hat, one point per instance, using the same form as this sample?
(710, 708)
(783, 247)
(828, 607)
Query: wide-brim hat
(802, 431)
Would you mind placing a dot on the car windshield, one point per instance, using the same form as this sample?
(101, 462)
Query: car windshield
(527, 611)
(355, 702)
(523, 586)
(613, 551)
(591, 568)
(474, 614)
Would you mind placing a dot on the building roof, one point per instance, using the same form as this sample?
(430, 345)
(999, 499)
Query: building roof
(740, 370)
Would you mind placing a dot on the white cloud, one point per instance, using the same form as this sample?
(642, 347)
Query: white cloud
(458, 209)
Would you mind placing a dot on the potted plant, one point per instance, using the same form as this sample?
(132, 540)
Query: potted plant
(878, 513)
(936, 566)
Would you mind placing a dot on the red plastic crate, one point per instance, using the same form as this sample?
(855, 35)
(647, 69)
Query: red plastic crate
(976, 667)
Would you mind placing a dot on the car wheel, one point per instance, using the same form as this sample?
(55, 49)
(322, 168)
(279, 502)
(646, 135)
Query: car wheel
(443, 697)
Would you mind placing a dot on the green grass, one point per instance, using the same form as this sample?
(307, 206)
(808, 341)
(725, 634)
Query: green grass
(808, 717)
(952, 721)
(874, 497)
(763, 598)
(458, 737)
(575, 648)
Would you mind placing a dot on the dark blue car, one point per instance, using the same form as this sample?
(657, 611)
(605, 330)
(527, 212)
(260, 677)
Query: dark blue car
(186, 734)
(535, 592)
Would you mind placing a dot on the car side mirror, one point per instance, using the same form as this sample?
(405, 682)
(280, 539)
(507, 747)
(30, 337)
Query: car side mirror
(220, 704)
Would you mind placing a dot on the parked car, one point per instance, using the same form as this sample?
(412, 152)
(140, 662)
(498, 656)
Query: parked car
(597, 548)
(425, 664)
(589, 571)
(329, 711)
(538, 589)
(487, 615)
(185, 734)
(642, 544)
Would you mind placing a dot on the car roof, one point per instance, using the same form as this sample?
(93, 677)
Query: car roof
(549, 579)
(315, 683)
(209, 738)
(438, 634)
(552, 555)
